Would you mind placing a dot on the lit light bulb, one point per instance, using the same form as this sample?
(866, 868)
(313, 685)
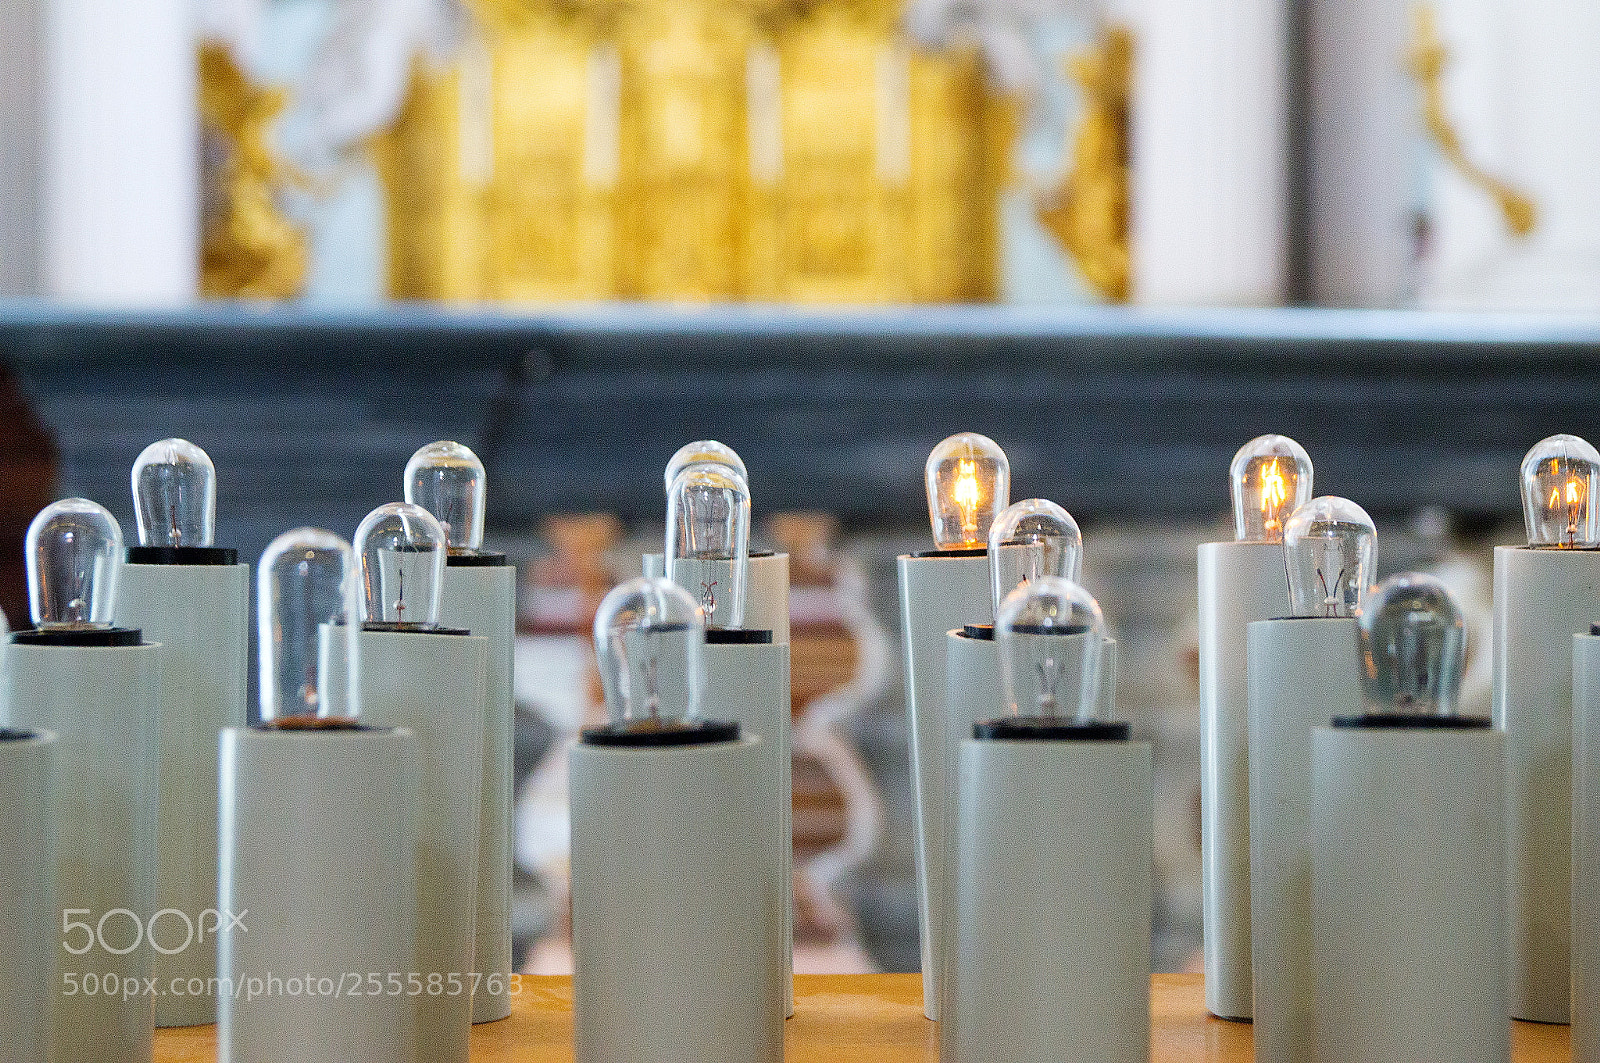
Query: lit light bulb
(1559, 478)
(1049, 633)
(306, 591)
(401, 549)
(1030, 539)
(1329, 551)
(708, 540)
(74, 550)
(968, 481)
(1269, 478)
(174, 494)
(648, 635)
(447, 480)
(701, 452)
(1413, 647)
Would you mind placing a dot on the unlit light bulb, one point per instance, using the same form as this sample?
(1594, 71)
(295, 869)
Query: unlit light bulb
(174, 494)
(401, 550)
(1413, 647)
(1049, 633)
(306, 597)
(1032, 538)
(701, 452)
(1269, 478)
(447, 480)
(1559, 478)
(1330, 553)
(74, 558)
(968, 481)
(708, 540)
(648, 637)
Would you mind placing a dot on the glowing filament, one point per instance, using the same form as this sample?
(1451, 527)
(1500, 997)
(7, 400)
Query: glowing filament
(1274, 493)
(967, 495)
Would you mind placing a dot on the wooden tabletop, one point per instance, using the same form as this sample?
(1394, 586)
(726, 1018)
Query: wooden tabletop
(853, 1018)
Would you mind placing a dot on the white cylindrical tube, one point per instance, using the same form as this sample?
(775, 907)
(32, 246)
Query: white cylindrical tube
(119, 83)
(432, 684)
(100, 692)
(317, 885)
(676, 916)
(480, 595)
(1051, 936)
(1304, 671)
(766, 603)
(1586, 848)
(747, 682)
(196, 603)
(1239, 583)
(1209, 132)
(1408, 895)
(1541, 599)
(939, 591)
(28, 915)
(1366, 153)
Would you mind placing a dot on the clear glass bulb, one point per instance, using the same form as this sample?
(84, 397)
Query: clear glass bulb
(1032, 538)
(447, 480)
(648, 635)
(700, 452)
(174, 494)
(1049, 633)
(1559, 477)
(306, 596)
(1413, 647)
(74, 550)
(1269, 478)
(968, 481)
(1330, 552)
(401, 550)
(708, 540)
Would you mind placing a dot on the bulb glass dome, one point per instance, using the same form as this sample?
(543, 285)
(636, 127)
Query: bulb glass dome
(447, 480)
(401, 550)
(700, 452)
(1049, 633)
(1269, 479)
(648, 635)
(1413, 647)
(1559, 478)
(1330, 552)
(708, 540)
(1032, 538)
(174, 494)
(968, 481)
(306, 595)
(74, 554)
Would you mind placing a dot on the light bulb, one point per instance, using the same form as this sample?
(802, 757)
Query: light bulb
(700, 452)
(401, 550)
(708, 540)
(648, 635)
(968, 481)
(1032, 538)
(447, 480)
(1559, 477)
(1413, 647)
(1269, 478)
(174, 494)
(1329, 551)
(306, 596)
(1049, 633)
(74, 550)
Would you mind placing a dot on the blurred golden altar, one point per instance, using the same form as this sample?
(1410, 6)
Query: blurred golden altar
(767, 150)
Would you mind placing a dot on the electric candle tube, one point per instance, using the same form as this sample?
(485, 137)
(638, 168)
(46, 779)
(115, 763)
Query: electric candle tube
(1240, 582)
(28, 914)
(192, 597)
(968, 481)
